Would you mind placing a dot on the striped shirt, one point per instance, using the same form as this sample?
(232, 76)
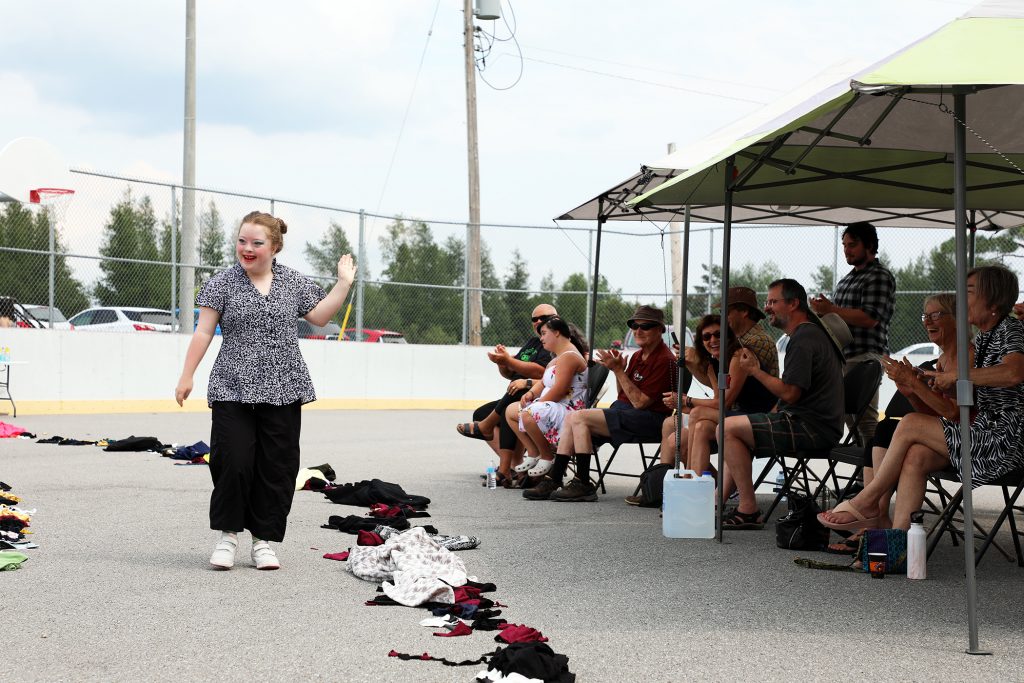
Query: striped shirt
(871, 289)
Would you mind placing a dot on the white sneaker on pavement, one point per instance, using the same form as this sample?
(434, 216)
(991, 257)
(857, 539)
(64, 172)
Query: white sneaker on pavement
(263, 556)
(224, 552)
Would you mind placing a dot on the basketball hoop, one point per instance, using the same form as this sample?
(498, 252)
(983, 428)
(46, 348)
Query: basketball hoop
(53, 200)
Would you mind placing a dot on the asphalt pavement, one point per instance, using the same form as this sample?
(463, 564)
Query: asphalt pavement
(120, 589)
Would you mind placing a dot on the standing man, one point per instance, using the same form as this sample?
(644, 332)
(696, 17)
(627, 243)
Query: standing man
(522, 369)
(865, 300)
(743, 315)
(809, 415)
(636, 415)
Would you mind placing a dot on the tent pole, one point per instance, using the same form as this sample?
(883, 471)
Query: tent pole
(601, 218)
(730, 168)
(681, 326)
(964, 388)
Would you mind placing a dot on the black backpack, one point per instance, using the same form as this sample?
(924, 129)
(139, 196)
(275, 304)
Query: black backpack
(800, 529)
(652, 482)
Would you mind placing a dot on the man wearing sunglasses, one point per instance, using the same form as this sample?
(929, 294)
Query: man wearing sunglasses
(809, 414)
(636, 415)
(523, 368)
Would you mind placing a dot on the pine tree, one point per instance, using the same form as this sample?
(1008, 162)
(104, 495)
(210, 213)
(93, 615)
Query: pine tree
(323, 257)
(131, 233)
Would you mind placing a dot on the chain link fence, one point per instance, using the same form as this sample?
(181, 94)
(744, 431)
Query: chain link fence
(120, 244)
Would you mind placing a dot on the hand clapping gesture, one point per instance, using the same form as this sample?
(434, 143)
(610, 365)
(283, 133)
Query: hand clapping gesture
(821, 305)
(611, 359)
(747, 360)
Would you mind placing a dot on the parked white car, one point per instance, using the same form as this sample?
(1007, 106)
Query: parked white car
(123, 319)
(42, 313)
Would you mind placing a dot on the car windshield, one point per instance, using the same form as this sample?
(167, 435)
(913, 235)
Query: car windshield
(150, 317)
(42, 313)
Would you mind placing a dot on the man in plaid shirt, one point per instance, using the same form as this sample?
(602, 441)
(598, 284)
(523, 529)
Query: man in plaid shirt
(864, 299)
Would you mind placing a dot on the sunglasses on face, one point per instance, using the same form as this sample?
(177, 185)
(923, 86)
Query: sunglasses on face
(541, 319)
(717, 334)
(634, 325)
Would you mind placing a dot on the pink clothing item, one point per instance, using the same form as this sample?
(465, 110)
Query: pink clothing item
(520, 633)
(460, 630)
(8, 431)
(342, 556)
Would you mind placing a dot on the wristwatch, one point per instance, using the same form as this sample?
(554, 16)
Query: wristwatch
(529, 384)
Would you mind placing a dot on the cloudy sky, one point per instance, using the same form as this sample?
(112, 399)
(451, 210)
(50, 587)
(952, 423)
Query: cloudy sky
(306, 99)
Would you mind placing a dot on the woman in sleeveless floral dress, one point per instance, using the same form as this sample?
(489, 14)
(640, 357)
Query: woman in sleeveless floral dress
(539, 416)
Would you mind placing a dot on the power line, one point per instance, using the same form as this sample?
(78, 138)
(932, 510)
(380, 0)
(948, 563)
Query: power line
(645, 82)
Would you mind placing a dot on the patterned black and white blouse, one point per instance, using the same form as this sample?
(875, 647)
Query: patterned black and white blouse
(997, 432)
(259, 359)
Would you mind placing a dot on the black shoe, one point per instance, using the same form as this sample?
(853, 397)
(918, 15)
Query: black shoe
(541, 491)
(575, 492)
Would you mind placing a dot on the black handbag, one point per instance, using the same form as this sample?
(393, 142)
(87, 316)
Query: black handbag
(800, 528)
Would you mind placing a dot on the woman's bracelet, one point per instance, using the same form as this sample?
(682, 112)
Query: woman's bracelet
(689, 402)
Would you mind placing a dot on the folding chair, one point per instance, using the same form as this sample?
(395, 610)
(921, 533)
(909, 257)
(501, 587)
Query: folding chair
(859, 388)
(1012, 485)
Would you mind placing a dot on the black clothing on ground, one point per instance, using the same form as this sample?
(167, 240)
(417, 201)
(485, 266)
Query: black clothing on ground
(507, 439)
(353, 523)
(366, 493)
(254, 461)
(134, 444)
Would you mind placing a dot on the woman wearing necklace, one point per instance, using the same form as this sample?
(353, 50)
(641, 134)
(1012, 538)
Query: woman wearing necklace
(923, 444)
(258, 384)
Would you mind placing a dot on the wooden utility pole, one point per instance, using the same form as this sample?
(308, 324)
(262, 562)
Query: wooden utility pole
(473, 228)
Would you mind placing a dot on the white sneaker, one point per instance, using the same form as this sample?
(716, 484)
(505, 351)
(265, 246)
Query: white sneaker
(263, 556)
(224, 552)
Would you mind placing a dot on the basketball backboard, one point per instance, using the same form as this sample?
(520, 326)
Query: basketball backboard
(28, 164)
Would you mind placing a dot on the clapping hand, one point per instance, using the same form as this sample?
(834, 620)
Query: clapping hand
(941, 380)
(346, 269)
(611, 359)
(747, 360)
(901, 372)
(821, 305)
(499, 355)
(670, 399)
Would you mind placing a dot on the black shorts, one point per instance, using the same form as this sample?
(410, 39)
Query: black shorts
(781, 434)
(627, 424)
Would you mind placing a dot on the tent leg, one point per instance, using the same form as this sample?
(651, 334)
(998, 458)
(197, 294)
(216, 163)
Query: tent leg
(964, 388)
(730, 167)
(681, 327)
(597, 274)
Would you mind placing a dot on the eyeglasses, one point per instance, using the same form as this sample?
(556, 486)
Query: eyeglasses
(634, 325)
(717, 334)
(541, 318)
(934, 317)
(772, 302)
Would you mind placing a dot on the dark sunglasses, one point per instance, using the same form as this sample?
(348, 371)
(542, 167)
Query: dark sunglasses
(541, 319)
(708, 335)
(634, 325)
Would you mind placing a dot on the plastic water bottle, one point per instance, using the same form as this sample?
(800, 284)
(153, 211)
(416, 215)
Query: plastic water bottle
(780, 482)
(917, 548)
(492, 478)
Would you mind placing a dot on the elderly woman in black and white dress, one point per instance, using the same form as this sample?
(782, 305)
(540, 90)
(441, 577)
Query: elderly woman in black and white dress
(258, 384)
(923, 443)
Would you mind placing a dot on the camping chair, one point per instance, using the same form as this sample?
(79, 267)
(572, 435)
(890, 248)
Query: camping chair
(859, 387)
(1012, 485)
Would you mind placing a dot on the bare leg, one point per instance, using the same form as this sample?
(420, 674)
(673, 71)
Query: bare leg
(584, 426)
(512, 415)
(540, 446)
(913, 429)
(877, 455)
(920, 462)
(704, 432)
(668, 442)
(565, 440)
(739, 441)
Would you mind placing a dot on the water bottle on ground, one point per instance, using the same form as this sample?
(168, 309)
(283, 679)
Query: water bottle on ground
(492, 478)
(917, 547)
(780, 482)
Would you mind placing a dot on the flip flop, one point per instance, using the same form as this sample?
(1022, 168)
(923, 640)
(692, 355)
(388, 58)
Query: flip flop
(471, 430)
(859, 520)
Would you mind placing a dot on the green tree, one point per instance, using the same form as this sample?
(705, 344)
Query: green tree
(821, 281)
(131, 233)
(323, 256)
(25, 276)
(211, 239)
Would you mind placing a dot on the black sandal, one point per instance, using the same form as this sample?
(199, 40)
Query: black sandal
(742, 521)
(471, 430)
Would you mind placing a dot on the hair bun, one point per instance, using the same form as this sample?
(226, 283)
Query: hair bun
(284, 226)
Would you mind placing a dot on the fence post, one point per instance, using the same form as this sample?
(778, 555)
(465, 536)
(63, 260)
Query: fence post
(53, 259)
(360, 277)
(465, 287)
(174, 258)
(711, 267)
(835, 261)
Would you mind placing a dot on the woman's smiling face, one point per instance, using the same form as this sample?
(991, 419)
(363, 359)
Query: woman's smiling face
(254, 249)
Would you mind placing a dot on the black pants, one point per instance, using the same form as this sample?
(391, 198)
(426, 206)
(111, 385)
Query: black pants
(254, 460)
(506, 437)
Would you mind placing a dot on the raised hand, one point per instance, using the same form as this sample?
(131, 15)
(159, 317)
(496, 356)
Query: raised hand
(346, 269)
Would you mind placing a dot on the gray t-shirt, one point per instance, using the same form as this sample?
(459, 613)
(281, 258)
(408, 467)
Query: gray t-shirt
(813, 365)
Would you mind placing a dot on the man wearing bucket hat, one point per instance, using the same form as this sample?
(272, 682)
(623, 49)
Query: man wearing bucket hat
(636, 415)
(864, 299)
(809, 414)
(743, 315)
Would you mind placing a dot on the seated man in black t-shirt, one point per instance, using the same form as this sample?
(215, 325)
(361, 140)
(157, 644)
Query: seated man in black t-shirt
(523, 368)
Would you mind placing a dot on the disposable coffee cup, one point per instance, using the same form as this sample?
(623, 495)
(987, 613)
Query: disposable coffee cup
(876, 565)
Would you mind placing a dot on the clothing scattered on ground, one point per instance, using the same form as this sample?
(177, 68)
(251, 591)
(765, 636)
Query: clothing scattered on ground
(520, 633)
(135, 444)
(368, 538)
(459, 629)
(11, 559)
(191, 453)
(62, 441)
(341, 557)
(353, 524)
(9, 431)
(366, 493)
(532, 661)
(387, 511)
(414, 568)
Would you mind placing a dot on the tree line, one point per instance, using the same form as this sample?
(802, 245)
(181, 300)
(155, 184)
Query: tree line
(410, 253)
